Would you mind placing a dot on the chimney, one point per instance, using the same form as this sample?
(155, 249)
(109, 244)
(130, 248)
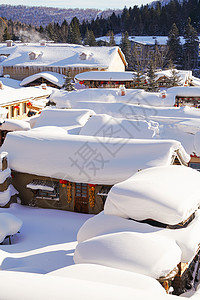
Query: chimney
(9, 43)
(43, 43)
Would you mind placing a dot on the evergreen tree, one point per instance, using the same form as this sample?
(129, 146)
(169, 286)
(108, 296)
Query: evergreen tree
(126, 47)
(74, 35)
(175, 79)
(152, 84)
(89, 38)
(191, 46)
(68, 85)
(111, 38)
(174, 46)
(138, 79)
(6, 35)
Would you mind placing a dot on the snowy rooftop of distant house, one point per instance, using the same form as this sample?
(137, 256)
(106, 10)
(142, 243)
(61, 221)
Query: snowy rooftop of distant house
(184, 75)
(86, 159)
(53, 77)
(59, 55)
(78, 99)
(145, 40)
(109, 76)
(12, 92)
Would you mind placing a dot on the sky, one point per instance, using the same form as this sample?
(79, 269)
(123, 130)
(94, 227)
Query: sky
(104, 4)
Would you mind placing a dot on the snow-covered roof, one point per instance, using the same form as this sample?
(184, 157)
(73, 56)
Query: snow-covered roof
(86, 159)
(53, 77)
(183, 75)
(102, 274)
(144, 40)
(186, 91)
(109, 76)
(53, 287)
(63, 117)
(162, 194)
(12, 95)
(105, 125)
(59, 55)
(14, 125)
(187, 238)
(126, 251)
(76, 99)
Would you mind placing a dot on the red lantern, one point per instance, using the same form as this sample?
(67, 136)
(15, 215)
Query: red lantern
(29, 104)
(63, 182)
(91, 185)
(81, 82)
(102, 82)
(16, 106)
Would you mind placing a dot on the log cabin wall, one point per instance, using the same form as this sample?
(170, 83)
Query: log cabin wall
(72, 196)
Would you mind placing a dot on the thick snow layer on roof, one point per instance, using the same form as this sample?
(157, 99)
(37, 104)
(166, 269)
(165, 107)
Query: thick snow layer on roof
(186, 238)
(40, 287)
(132, 96)
(9, 82)
(53, 77)
(4, 174)
(119, 250)
(109, 76)
(63, 117)
(183, 75)
(105, 125)
(9, 225)
(86, 159)
(102, 274)
(185, 91)
(60, 55)
(10, 95)
(14, 125)
(195, 81)
(147, 195)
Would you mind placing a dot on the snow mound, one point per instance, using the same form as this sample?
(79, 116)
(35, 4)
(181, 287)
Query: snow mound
(9, 225)
(102, 224)
(63, 117)
(14, 125)
(102, 274)
(162, 194)
(153, 256)
(104, 125)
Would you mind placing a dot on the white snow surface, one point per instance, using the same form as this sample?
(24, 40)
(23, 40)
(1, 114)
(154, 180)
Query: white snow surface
(11, 94)
(110, 76)
(107, 95)
(53, 77)
(85, 159)
(9, 225)
(14, 125)
(105, 125)
(44, 246)
(126, 251)
(63, 117)
(103, 224)
(59, 55)
(155, 193)
(102, 274)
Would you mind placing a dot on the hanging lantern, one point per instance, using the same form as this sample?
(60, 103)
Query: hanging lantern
(92, 195)
(69, 192)
(102, 82)
(117, 82)
(29, 104)
(63, 182)
(81, 82)
(16, 106)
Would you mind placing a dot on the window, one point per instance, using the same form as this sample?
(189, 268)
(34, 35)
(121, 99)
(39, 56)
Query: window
(45, 189)
(195, 166)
